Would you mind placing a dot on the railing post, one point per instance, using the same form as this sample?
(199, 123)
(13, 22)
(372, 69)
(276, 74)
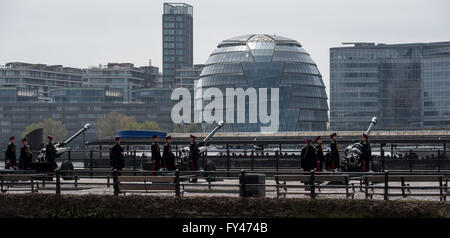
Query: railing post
(242, 190)
(134, 163)
(312, 185)
(69, 155)
(253, 163)
(410, 160)
(228, 161)
(382, 158)
(58, 182)
(177, 183)
(386, 185)
(439, 161)
(278, 161)
(91, 162)
(116, 182)
(1, 183)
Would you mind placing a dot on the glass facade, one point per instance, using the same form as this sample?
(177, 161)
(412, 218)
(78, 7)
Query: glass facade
(39, 78)
(87, 95)
(119, 76)
(268, 61)
(185, 76)
(405, 85)
(177, 26)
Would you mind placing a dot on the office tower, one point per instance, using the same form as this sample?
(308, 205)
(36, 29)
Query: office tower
(177, 40)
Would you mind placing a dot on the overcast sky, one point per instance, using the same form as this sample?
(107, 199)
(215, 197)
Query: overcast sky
(82, 33)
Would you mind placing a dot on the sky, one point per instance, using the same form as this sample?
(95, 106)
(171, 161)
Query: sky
(84, 33)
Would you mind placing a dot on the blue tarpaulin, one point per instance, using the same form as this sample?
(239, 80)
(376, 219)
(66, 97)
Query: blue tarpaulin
(139, 134)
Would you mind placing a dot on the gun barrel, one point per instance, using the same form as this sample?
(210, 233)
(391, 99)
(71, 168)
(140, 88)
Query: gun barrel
(373, 123)
(219, 125)
(68, 140)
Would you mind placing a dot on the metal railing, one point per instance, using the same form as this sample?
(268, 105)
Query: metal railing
(221, 182)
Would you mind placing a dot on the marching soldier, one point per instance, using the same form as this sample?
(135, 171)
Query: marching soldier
(319, 153)
(194, 155)
(334, 157)
(168, 156)
(50, 154)
(26, 156)
(308, 156)
(156, 154)
(366, 153)
(117, 155)
(10, 154)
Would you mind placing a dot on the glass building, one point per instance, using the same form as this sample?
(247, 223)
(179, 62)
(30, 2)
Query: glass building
(39, 78)
(177, 26)
(186, 76)
(405, 85)
(123, 76)
(87, 95)
(269, 61)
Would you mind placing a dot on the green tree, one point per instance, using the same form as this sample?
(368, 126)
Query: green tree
(150, 125)
(108, 126)
(191, 128)
(183, 128)
(50, 127)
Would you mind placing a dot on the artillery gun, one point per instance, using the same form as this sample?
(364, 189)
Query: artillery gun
(40, 164)
(352, 159)
(183, 162)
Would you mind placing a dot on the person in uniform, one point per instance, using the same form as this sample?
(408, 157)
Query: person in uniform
(117, 155)
(26, 156)
(194, 156)
(156, 154)
(168, 156)
(10, 154)
(320, 158)
(308, 156)
(366, 153)
(334, 153)
(50, 154)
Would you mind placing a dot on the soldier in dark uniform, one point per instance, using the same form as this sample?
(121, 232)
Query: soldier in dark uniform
(319, 153)
(117, 155)
(168, 156)
(26, 156)
(334, 153)
(156, 154)
(50, 154)
(194, 156)
(10, 154)
(366, 153)
(308, 156)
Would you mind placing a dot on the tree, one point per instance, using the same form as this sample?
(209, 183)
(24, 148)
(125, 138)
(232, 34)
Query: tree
(183, 128)
(50, 127)
(107, 127)
(191, 128)
(150, 125)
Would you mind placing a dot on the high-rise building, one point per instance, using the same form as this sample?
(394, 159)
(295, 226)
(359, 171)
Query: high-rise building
(39, 78)
(186, 76)
(177, 40)
(121, 76)
(268, 61)
(406, 85)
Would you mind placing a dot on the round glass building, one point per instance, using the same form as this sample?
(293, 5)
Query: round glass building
(268, 61)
